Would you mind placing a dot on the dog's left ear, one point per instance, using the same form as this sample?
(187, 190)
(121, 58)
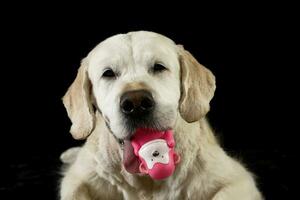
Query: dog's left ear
(197, 87)
(77, 102)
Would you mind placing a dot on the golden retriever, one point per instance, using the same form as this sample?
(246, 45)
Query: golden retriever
(146, 65)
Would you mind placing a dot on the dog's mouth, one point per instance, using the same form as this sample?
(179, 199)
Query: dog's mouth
(130, 161)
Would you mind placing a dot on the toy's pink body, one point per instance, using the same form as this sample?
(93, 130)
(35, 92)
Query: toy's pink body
(156, 152)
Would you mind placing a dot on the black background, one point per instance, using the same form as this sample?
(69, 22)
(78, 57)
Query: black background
(250, 51)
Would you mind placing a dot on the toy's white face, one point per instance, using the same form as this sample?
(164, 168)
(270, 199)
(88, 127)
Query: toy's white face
(155, 151)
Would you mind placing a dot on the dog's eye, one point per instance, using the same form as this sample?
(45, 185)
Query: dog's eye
(109, 73)
(158, 68)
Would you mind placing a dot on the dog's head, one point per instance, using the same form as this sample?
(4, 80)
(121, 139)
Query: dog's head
(138, 80)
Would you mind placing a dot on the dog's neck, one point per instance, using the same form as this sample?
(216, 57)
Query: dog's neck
(190, 139)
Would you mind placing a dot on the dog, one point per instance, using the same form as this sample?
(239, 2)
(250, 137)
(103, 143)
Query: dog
(144, 80)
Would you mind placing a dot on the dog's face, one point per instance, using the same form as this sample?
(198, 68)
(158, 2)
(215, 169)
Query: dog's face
(136, 82)
(139, 79)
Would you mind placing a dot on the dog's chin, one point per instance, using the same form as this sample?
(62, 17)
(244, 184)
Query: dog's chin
(131, 129)
(151, 123)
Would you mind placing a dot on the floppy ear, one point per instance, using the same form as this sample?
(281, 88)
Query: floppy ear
(77, 102)
(197, 87)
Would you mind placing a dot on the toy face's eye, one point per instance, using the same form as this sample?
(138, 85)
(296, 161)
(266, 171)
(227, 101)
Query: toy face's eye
(155, 153)
(151, 159)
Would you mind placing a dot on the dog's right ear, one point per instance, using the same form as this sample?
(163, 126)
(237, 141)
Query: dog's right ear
(77, 102)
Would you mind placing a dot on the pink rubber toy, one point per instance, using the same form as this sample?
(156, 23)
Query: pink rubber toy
(156, 152)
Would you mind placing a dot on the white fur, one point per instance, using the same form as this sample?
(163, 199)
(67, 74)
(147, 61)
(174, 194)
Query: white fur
(132, 55)
(96, 172)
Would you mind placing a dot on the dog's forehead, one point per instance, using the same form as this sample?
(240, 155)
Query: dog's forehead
(132, 44)
(111, 46)
(144, 38)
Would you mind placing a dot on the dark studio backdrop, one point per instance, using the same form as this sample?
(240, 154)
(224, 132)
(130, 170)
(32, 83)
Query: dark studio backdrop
(247, 51)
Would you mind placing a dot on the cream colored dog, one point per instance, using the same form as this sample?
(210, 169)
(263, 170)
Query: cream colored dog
(143, 79)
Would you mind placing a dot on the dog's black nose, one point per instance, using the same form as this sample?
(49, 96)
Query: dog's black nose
(137, 102)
